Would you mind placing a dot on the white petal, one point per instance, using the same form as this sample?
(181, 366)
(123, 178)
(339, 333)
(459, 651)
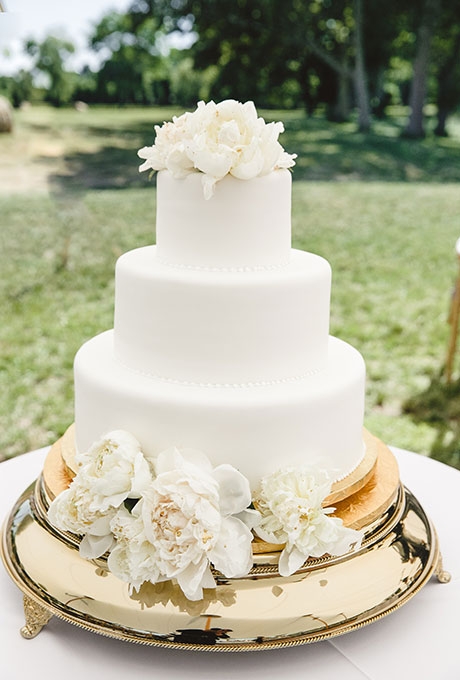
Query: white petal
(178, 162)
(272, 153)
(57, 512)
(167, 460)
(101, 526)
(286, 160)
(270, 537)
(347, 539)
(232, 554)
(290, 561)
(214, 163)
(194, 578)
(229, 134)
(235, 492)
(209, 185)
(142, 476)
(251, 518)
(250, 111)
(123, 439)
(249, 165)
(104, 502)
(153, 159)
(95, 546)
(196, 458)
(208, 579)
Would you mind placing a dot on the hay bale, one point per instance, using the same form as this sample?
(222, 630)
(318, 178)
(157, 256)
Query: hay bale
(6, 115)
(80, 106)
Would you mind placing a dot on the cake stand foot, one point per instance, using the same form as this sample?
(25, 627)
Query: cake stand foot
(442, 575)
(36, 617)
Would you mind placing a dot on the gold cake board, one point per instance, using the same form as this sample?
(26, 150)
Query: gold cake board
(327, 597)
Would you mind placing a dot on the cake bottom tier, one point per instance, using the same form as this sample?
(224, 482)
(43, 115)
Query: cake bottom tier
(256, 428)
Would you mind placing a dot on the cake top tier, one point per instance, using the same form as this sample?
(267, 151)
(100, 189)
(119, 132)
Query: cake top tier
(223, 190)
(217, 140)
(244, 226)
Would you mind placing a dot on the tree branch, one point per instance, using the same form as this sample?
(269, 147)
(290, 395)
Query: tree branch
(328, 59)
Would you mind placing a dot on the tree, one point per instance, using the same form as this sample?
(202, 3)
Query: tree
(285, 43)
(282, 52)
(446, 56)
(22, 88)
(50, 56)
(339, 43)
(135, 71)
(359, 73)
(428, 17)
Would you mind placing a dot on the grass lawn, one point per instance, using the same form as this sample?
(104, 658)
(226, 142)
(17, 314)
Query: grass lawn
(383, 211)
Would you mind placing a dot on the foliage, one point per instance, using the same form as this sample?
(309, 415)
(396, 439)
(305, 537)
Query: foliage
(50, 56)
(329, 56)
(446, 51)
(17, 89)
(187, 85)
(134, 71)
(321, 53)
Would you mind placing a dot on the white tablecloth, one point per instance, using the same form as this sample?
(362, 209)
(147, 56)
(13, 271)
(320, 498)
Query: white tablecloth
(420, 640)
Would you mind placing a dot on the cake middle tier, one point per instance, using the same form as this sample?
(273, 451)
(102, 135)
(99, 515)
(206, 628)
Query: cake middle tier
(314, 421)
(222, 327)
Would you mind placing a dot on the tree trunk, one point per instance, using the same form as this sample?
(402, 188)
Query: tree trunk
(359, 75)
(440, 129)
(414, 127)
(448, 90)
(342, 104)
(345, 75)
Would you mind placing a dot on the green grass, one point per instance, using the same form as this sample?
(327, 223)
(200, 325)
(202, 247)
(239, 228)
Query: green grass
(391, 251)
(72, 200)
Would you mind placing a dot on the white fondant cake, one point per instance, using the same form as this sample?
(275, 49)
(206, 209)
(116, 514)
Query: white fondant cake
(247, 225)
(221, 339)
(204, 327)
(218, 408)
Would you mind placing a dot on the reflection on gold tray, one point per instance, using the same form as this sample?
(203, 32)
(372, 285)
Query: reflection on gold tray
(327, 597)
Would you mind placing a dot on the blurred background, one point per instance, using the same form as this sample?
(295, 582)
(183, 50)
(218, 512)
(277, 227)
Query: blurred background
(369, 93)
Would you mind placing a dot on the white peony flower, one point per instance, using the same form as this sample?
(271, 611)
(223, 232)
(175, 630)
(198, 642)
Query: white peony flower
(188, 515)
(290, 504)
(217, 140)
(73, 510)
(114, 469)
(134, 559)
(111, 471)
(172, 522)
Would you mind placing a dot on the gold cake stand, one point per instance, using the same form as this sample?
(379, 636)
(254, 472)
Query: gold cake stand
(327, 597)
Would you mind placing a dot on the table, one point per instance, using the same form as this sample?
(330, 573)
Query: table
(420, 640)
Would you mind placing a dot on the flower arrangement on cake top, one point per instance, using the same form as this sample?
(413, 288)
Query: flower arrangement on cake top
(176, 517)
(221, 139)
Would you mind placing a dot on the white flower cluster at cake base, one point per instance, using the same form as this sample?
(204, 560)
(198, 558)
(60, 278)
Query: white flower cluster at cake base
(221, 139)
(170, 518)
(290, 505)
(175, 517)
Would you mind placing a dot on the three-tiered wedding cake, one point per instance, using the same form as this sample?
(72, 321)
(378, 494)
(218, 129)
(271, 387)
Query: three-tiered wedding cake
(221, 338)
(219, 380)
